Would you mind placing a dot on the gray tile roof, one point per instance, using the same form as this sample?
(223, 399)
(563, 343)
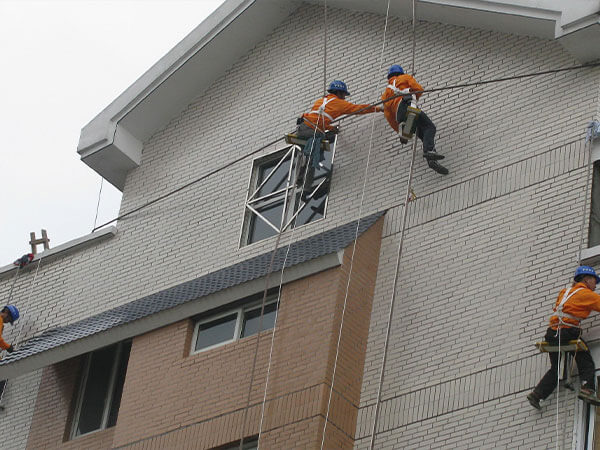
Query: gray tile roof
(313, 247)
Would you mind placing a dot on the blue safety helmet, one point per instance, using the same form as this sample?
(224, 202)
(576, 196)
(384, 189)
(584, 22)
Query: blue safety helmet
(395, 70)
(13, 311)
(338, 86)
(586, 270)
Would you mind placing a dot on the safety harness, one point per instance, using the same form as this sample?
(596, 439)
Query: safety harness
(321, 110)
(569, 292)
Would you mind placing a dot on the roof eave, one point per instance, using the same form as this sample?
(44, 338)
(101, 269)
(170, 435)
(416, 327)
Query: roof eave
(112, 142)
(185, 311)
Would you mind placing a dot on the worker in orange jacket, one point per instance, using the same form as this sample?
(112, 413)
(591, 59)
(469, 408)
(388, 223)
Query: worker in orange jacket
(572, 306)
(315, 125)
(396, 110)
(8, 314)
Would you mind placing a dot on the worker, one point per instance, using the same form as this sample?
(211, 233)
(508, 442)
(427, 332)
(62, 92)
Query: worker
(573, 305)
(24, 260)
(9, 314)
(315, 125)
(396, 112)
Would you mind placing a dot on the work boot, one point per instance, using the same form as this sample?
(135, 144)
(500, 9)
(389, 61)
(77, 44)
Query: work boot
(432, 155)
(403, 140)
(437, 167)
(534, 400)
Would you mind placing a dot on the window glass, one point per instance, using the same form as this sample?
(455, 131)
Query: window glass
(250, 444)
(277, 181)
(258, 228)
(216, 331)
(2, 387)
(95, 391)
(252, 319)
(119, 382)
(594, 231)
(102, 387)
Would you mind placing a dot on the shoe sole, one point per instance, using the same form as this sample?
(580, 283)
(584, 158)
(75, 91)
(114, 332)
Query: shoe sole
(534, 403)
(433, 156)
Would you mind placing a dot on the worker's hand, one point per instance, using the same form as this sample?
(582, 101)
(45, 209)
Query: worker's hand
(378, 109)
(10, 349)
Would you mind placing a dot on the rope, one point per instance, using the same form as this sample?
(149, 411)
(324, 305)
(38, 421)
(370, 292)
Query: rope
(98, 204)
(18, 338)
(475, 84)
(407, 198)
(366, 171)
(254, 152)
(585, 199)
(581, 230)
(325, 51)
(283, 219)
(14, 281)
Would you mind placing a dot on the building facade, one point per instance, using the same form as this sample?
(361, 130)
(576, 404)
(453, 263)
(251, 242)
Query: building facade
(164, 349)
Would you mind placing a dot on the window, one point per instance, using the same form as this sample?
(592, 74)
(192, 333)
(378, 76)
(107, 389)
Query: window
(249, 444)
(2, 388)
(234, 324)
(101, 388)
(594, 231)
(276, 186)
(586, 433)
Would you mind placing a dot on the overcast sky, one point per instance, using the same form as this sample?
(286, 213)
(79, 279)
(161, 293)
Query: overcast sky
(62, 62)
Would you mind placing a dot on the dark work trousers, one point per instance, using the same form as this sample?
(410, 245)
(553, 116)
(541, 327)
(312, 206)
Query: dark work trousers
(425, 127)
(585, 363)
(312, 149)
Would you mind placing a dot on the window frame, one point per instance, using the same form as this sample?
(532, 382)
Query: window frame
(250, 214)
(108, 401)
(240, 310)
(586, 415)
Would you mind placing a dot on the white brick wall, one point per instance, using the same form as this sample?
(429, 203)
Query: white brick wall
(486, 250)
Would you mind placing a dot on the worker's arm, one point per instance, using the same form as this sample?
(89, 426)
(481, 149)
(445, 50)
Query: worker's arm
(592, 299)
(351, 108)
(3, 344)
(414, 86)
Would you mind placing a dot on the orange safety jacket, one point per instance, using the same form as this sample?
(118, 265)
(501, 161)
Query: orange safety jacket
(334, 108)
(3, 344)
(581, 301)
(395, 85)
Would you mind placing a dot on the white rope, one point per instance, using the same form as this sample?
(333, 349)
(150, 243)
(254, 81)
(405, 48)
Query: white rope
(291, 240)
(325, 50)
(362, 197)
(407, 198)
(581, 230)
(10, 292)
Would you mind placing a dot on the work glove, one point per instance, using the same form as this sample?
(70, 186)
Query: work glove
(335, 129)
(10, 349)
(378, 109)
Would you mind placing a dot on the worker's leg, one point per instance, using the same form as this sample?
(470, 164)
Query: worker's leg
(426, 132)
(548, 381)
(586, 368)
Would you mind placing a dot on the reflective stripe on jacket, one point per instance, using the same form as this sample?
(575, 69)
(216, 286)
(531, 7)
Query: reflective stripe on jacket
(399, 82)
(577, 307)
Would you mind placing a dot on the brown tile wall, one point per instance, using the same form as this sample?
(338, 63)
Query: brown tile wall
(175, 400)
(50, 427)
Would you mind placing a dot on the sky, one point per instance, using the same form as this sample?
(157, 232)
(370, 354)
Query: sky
(62, 62)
